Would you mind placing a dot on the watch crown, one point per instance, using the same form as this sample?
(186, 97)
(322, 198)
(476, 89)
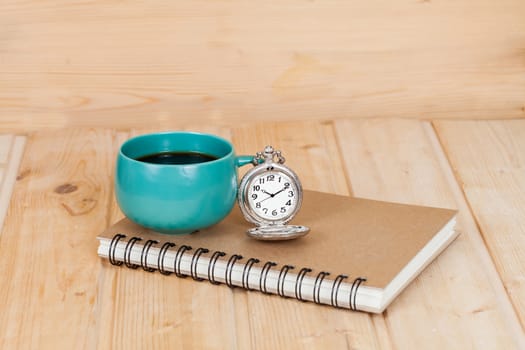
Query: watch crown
(268, 156)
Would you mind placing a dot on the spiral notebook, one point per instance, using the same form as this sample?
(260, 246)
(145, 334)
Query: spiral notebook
(359, 255)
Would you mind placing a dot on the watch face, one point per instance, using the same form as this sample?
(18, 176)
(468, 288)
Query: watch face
(272, 195)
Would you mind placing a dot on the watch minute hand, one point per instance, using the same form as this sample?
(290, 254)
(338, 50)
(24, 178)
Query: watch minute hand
(276, 193)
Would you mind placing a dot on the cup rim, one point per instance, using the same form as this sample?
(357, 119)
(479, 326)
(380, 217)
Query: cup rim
(176, 132)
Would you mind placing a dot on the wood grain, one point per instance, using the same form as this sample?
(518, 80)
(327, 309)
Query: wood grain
(11, 151)
(49, 271)
(398, 161)
(489, 162)
(134, 63)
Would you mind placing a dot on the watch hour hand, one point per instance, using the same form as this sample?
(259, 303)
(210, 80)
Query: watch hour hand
(268, 193)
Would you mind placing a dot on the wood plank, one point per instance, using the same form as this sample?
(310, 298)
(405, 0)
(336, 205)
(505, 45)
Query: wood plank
(458, 301)
(273, 322)
(5, 148)
(489, 161)
(12, 148)
(49, 268)
(102, 332)
(84, 63)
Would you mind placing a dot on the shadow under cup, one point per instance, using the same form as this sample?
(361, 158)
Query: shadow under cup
(177, 198)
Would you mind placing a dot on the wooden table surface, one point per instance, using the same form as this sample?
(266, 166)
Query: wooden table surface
(412, 101)
(57, 293)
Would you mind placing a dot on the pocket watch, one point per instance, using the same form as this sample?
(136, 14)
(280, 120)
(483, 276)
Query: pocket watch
(270, 195)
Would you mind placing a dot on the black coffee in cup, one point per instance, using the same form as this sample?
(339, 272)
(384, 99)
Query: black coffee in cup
(176, 158)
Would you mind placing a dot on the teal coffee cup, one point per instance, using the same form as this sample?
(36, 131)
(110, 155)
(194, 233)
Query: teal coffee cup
(177, 182)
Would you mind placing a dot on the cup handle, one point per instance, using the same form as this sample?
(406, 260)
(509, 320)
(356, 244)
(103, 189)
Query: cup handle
(243, 160)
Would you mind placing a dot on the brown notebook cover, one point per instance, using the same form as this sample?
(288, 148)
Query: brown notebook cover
(387, 244)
